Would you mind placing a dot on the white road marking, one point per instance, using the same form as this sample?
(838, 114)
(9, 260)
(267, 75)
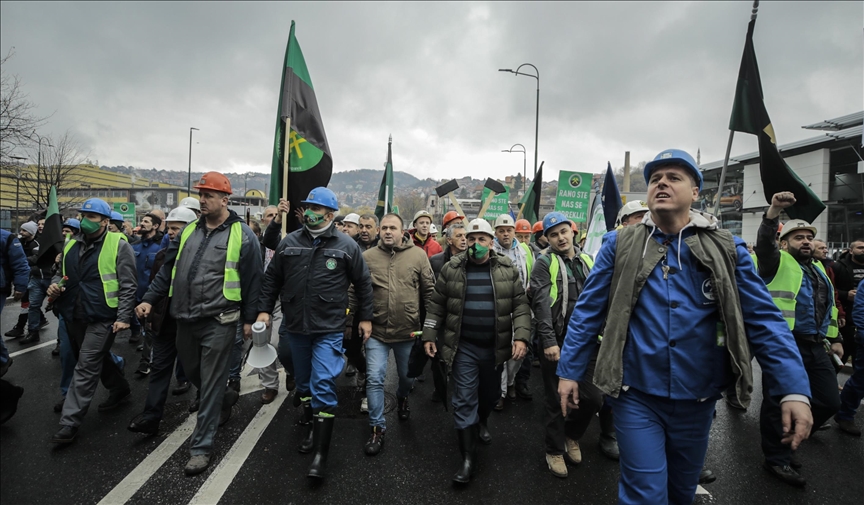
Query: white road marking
(127, 488)
(40, 346)
(701, 490)
(218, 481)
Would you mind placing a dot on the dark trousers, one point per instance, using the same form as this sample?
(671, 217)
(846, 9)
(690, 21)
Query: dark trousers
(853, 391)
(161, 368)
(850, 347)
(523, 375)
(824, 402)
(574, 425)
(354, 351)
(476, 384)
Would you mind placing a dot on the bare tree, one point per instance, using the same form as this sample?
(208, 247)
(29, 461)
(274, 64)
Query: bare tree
(59, 165)
(408, 205)
(18, 118)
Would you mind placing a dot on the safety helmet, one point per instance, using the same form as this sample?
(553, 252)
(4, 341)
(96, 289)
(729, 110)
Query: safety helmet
(433, 229)
(181, 215)
(523, 226)
(73, 223)
(674, 157)
(553, 219)
(421, 213)
(575, 228)
(116, 216)
(450, 216)
(632, 208)
(480, 226)
(214, 181)
(352, 218)
(191, 203)
(323, 197)
(795, 225)
(538, 227)
(504, 220)
(97, 206)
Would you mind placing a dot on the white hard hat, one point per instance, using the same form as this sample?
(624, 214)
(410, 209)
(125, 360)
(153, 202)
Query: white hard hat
(191, 203)
(632, 208)
(795, 225)
(421, 213)
(181, 215)
(480, 226)
(504, 220)
(433, 229)
(352, 218)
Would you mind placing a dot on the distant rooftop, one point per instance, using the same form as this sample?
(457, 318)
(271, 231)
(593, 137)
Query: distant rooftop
(839, 123)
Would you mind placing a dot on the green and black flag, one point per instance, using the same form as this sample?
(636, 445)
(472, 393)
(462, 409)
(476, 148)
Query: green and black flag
(307, 160)
(750, 116)
(51, 238)
(529, 206)
(385, 194)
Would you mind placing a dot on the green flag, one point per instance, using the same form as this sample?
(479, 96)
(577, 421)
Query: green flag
(51, 238)
(529, 205)
(750, 116)
(309, 162)
(385, 194)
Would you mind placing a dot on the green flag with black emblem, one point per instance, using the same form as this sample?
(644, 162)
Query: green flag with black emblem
(385, 192)
(300, 153)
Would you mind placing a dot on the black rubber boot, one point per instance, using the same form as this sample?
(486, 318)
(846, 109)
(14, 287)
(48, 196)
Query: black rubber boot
(468, 448)
(322, 432)
(306, 421)
(483, 431)
(19, 328)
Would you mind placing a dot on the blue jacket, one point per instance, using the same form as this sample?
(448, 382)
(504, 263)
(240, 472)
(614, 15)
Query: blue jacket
(672, 349)
(12, 261)
(145, 256)
(858, 311)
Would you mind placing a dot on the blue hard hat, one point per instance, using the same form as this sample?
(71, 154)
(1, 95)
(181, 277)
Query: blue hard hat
(97, 206)
(553, 219)
(674, 157)
(116, 216)
(73, 223)
(323, 197)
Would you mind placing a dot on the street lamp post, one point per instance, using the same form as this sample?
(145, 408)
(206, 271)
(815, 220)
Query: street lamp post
(524, 174)
(39, 168)
(189, 180)
(537, 110)
(17, 190)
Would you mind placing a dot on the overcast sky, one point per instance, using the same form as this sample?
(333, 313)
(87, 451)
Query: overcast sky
(129, 79)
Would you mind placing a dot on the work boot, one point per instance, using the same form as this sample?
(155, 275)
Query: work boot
(608, 439)
(306, 421)
(66, 435)
(785, 474)
(556, 465)
(468, 447)
(141, 424)
(116, 398)
(322, 432)
(706, 476)
(197, 464)
(848, 426)
(511, 392)
(403, 410)
(19, 328)
(290, 383)
(523, 392)
(228, 402)
(56, 350)
(483, 432)
(500, 405)
(31, 338)
(572, 451)
(376, 441)
(350, 370)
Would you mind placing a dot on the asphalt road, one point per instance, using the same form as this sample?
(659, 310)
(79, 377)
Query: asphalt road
(255, 459)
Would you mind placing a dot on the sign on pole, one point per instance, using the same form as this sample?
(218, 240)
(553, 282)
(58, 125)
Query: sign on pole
(500, 204)
(127, 210)
(574, 195)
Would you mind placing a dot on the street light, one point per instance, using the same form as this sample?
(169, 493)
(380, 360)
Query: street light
(537, 114)
(189, 180)
(524, 182)
(17, 188)
(39, 168)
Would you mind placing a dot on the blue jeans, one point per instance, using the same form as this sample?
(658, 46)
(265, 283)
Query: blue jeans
(4, 353)
(237, 354)
(317, 362)
(377, 354)
(663, 444)
(36, 290)
(476, 384)
(853, 391)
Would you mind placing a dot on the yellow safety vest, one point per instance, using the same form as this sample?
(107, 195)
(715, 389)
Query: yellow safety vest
(786, 284)
(553, 274)
(107, 265)
(529, 259)
(231, 284)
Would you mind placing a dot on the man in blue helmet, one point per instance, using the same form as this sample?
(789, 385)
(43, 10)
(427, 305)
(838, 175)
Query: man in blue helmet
(311, 272)
(96, 301)
(688, 307)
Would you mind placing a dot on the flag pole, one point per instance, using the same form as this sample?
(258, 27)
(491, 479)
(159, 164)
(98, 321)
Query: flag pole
(286, 158)
(717, 212)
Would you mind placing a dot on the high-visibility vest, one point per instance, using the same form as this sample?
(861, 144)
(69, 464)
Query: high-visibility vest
(107, 264)
(231, 284)
(554, 269)
(529, 259)
(786, 284)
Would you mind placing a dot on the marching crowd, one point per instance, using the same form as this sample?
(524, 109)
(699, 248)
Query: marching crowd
(647, 335)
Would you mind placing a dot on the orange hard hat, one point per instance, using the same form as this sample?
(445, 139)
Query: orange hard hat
(779, 229)
(450, 216)
(538, 227)
(214, 181)
(523, 226)
(575, 230)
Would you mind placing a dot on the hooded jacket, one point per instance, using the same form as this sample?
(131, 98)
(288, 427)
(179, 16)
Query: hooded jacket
(402, 283)
(430, 245)
(145, 258)
(444, 313)
(13, 264)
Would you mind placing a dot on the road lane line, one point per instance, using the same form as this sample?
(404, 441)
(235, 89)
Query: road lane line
(702, 490)
(40, 346)
(127, 488)
(218, 481)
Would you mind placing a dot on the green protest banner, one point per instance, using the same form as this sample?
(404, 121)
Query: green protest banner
(127, 210)
(574, 195)
(500, 204)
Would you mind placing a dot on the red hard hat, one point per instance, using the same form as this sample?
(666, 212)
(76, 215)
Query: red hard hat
(450, 216)
(523, 226)
(214, 181)
(538, 227)
(575, 230)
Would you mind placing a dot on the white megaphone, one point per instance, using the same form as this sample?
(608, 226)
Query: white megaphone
(262, 354)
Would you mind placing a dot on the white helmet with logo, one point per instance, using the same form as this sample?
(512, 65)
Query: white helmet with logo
(632, 208)
(480, 226)
(191, 203)
(504, 220)
(181, 215)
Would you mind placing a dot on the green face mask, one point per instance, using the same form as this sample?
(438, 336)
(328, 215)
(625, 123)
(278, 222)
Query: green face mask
(88, 226)
(478, 251)
(311, 218)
